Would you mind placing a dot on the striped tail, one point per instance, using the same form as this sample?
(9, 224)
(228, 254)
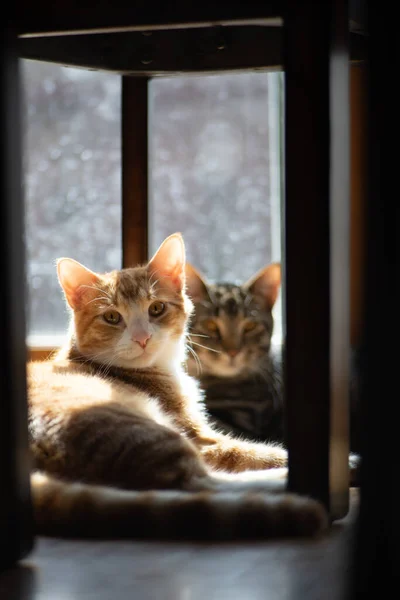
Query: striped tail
(90, 511)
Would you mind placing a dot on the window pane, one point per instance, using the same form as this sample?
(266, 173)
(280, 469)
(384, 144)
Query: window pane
(215, 171)
(72, 180)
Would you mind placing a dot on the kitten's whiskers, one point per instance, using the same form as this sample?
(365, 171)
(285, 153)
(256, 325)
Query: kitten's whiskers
(150, 282)
(93, 358)
(198, 335)
(206, 347)
(196, 359)
(93, 287)
(98, 299)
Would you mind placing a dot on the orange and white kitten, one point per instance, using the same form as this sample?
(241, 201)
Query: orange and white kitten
(120, 443)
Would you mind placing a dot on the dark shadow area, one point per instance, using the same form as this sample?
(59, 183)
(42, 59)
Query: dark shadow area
(376, 552)
(18, 583)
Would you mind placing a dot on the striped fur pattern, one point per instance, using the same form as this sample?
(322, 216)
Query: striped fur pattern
(232, 358)
(120, 441)
(231, 334)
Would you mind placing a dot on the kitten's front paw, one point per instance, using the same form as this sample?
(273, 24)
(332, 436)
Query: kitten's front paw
(265, 456)
(235, 456)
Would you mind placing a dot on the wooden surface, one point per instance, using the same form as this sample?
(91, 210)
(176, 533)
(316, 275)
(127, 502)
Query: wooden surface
(47, 17)
(134, 171)
(79, 570)
(158, 52)
(316, 253)
(41, 353)
(15, 524)
(358, 161)
(205, 49)
(61, 18)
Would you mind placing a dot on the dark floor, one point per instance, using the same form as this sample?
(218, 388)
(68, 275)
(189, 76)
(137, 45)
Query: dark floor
(69, 570)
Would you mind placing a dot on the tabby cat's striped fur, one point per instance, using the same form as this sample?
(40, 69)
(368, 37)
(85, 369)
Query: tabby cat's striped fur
(231, 332)
(239, 371)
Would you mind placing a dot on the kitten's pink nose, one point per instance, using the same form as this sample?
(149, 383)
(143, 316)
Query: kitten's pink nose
(142, 339)
(233, 353)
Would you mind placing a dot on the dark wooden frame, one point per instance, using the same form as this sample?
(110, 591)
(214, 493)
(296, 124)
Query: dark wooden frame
(153, 53)
(317, 212)
(134, 171)
(16, 537)
(47, 18)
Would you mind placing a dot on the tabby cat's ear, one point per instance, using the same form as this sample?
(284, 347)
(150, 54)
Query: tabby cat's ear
(266, 283)
(196, 285)
(168, 263)
(77, 281)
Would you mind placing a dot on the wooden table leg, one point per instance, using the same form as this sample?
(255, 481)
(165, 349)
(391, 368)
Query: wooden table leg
(134, 170)
(316, 249)
(15, 521)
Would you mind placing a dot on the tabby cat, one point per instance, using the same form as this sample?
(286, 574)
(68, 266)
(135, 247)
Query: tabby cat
(120, 442)
(232, 357)
(231, 354)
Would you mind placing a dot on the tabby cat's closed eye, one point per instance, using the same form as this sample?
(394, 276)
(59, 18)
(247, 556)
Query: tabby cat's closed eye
(211, 327)
(249, 326)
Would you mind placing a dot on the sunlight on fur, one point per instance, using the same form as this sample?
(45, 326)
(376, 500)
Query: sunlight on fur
(120, 440)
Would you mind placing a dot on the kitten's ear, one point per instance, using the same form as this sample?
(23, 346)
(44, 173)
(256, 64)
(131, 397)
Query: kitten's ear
(196, 285)
(266, 284)
(76, 280)
(168, 262)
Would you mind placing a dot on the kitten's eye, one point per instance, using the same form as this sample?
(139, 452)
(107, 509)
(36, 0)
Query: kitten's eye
(112, 316)
(211, 326)
(249, 326)
(156, 308)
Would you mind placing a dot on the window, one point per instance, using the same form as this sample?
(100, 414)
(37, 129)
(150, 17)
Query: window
(215, 173)
(72, 183)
